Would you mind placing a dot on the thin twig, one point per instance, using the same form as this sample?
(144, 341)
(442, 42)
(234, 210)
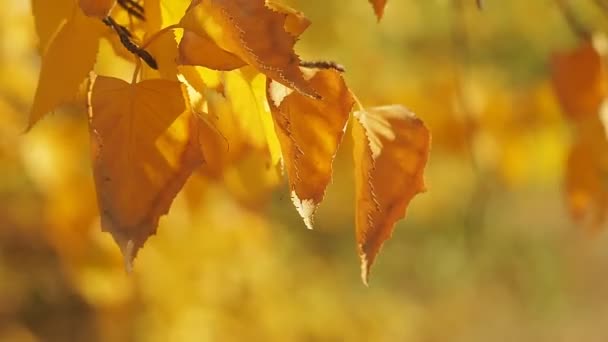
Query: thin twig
(133, 8)
(126, 40)
(323, 65)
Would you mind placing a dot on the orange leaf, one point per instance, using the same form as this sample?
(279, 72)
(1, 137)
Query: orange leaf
(391, 148)
(66, 64)
(49, 16)
(199, 49)
(379, 6)
(309, 132)
(97, 8)
(143, 153)
(580, 80)
(587, 168)
(254, 33)
(295, 23)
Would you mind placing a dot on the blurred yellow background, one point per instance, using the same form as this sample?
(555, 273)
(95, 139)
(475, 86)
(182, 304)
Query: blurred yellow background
(489, 253)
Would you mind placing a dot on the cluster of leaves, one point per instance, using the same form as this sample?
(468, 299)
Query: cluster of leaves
(580, 79)
(220, 84)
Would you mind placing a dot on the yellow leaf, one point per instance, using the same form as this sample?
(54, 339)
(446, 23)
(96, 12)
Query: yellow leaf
(200, 50)
(310, 132)
(246, 91)
(66, 64)
(143, 153)
(379, 6)
(49, 16)
(164, 50)
(391, 148)
(580, 80)
(162, 13)
(254, 33)
(97, 8)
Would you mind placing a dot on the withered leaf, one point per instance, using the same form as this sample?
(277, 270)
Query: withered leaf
(145, 146)
(310, 132)
(391, 148)
(254, 33)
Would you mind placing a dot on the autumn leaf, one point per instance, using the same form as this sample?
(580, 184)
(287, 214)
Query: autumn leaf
(195, 49)
(254, 33)
(391, 148)
(581, 85)
(245, 90)
(587, 168)
(580, 80)
(165, 52)
(309, 132)
(49, 17)
(143, 153)
(295, 22)
(379, 6)
(97, 8)
(75, 46)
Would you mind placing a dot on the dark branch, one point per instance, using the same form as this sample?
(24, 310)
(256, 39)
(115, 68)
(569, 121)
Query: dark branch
(322, 65)
(126, 40)
(133, 8)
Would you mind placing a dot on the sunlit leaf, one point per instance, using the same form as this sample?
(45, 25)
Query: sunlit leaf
(295, 22)
(391, 148)
(164, 50)
(74, 46)
(310, 131)
(246, 91)
(199, 49)
(254, 33)
(143, 153)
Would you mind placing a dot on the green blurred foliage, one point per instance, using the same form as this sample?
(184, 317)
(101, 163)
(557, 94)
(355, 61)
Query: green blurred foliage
(488, 254)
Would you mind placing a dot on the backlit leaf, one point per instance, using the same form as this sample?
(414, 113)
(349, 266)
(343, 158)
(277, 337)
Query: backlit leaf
(199, 49)
(310, 131)
(74, 46)
(391, 148)
(295, 23)
(143, 153)
(254, 33)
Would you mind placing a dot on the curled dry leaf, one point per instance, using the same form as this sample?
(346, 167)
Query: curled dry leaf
(144, 149)
(391, 148)
(76, 45)
(295, 23)
(97, 8)
(254, 33)
(379, 6)
(310, 132)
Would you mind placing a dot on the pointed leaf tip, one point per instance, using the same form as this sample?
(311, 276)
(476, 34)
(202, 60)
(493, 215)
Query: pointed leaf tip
(310, 132)
(139, 165)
